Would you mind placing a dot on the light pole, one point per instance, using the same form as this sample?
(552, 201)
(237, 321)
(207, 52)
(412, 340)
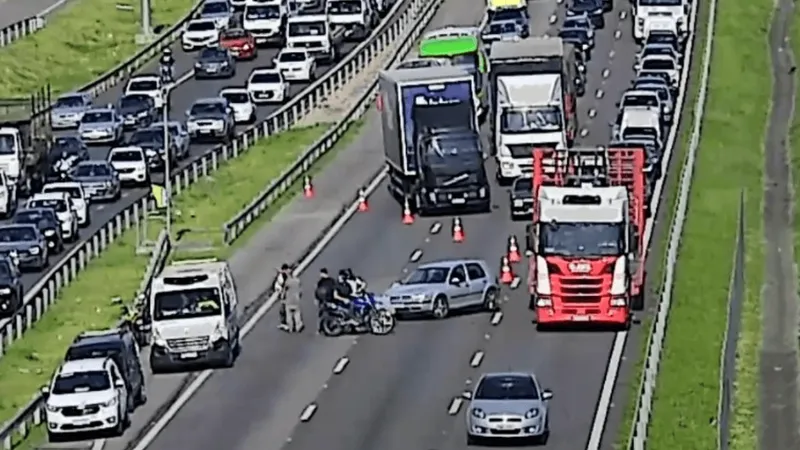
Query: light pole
(167, 165)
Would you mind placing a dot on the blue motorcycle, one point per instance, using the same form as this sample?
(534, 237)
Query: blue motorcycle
(367, 315)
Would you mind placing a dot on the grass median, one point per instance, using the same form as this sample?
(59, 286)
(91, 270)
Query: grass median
(81, 42)
(86, 303)
(729, 160)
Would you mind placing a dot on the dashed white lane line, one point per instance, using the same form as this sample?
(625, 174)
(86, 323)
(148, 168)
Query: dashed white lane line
(496, 318)
(455, 406)
(606, 73)
(617, 34)
(515, 283)
(416, 255)
(308, 413)
(340, 365)
(611, 54)
(592, 113)
(623, 14)
(436, 227)
(553, 19)
(477, 359)
(584, 132)
(599, 93)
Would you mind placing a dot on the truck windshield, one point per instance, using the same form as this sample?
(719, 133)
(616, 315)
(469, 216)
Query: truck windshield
(8, 146)
(262, 12)
(453, 154)
(530, 119)
(344, 7)
(187, 304)
(582, 240)
(76, 383)
(308, 29)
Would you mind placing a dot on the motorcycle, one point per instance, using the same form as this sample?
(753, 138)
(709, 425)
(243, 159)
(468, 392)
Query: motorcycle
(62, 167)
(368, 315)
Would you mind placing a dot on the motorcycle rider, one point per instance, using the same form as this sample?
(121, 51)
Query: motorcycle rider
(167, 63)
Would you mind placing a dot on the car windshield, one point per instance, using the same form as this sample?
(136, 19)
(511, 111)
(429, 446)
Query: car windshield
(175, 129)
(33, 216)
(666, 38)
(631, 132)
(236, 97)
(262, 12)
(422, 62)
(344, 7)
(97, 117)
(663, 93)
(133, 101)
(52, 203)
(205, 108)
(215, 8)
(658, 64)
(17, 234)
(76, 383)
(67, 144)
(148, 136)
(583, 5)
(574, 35)
(7, 145)
(233, 33)
(581, 239)
(524, 185)
(507, 14)
(99, 350)
(507, 387)
(126, 156)
(292, 57)
(268, 77)
(212, 54)
(91, 170)
(500, 27)
(428, 275)
(186, 304)
(70, 101)
(201, 25)
(72, 191)
(452, 155)
(143, 86)
(530, 119)
(639, 100)
(308, 29)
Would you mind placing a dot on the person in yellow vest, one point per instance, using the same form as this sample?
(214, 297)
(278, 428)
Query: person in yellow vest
(159, 195)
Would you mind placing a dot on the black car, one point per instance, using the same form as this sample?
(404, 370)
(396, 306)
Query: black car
(11, 290)
(521, 198)
(151, 140)
(137, 110)
(118, 344)
(214, 62)
(580, 38)
(65, 153)
(46, 220)
(593, 8)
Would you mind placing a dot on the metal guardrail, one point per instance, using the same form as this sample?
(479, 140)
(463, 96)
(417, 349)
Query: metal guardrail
(19, 30)
(733, 325)
(657, 334)
(247, 215)
(45, 292)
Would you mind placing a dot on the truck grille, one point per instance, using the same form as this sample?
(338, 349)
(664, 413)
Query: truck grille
(585, 289)
(192, 344)
(74, 411)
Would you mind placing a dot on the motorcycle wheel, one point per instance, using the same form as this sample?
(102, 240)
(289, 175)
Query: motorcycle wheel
(381, 323)
(332, 326)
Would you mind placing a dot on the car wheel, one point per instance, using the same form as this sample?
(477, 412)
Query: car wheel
(441, 308)
(490, 300)
(119, 430)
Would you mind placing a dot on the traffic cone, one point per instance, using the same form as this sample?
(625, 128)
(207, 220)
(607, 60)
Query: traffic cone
(458, 230)
(506, 275)
(513, 250)
(308, 189)
(408, 218)
(362, 201)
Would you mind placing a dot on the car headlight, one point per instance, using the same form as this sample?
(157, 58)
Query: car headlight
(419, 297)
(34, 250)
(150, 152)
(197, 65)
(112, 402)
(585, 46)
(518, 202)
(478, 413)
(5, 290)
(49, 232)
(570, 12)
(482, 192)
(158, 340)
(532, 414)
(598, 12)
(108, 183)
(142, 114)
(52, 408)
(218, 334)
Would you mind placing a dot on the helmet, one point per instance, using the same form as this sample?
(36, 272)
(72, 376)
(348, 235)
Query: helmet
(167, 51)
(343, 274)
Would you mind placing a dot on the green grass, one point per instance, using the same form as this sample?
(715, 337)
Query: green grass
(86, 304)
(730, 159)
(80, 43)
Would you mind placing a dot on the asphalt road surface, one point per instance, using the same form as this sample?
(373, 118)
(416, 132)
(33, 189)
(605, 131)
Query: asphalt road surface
(396, 391)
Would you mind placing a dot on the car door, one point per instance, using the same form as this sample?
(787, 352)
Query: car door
(458, 289)
(477, 283)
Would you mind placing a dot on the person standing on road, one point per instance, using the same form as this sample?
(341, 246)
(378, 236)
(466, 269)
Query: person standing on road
(323, 294)
(293, 304)
(280, 287)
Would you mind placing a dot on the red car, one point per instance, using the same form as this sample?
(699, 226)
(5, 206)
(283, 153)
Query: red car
(239, 42)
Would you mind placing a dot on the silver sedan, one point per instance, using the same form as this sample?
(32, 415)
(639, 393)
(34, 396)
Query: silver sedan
(508, 405)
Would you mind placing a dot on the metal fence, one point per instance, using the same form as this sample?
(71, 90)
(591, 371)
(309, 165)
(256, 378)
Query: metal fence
(657, 334)
(728, 356)
(19, 30)
(406, 14)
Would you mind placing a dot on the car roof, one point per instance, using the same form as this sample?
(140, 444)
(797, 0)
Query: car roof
(83, 365)
(450, 263)
(507, 374)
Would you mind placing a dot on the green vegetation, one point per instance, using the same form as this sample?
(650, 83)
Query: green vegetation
(86, 303)
(729, 161)
(80, 43)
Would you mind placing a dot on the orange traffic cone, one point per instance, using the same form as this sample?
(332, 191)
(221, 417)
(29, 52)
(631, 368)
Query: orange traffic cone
(458, 230)
(506, 275)
(408, 218)
(362, 201)
(513, 250)
(308, 189)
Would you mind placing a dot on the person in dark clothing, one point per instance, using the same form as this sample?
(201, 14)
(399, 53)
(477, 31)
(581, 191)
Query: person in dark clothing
(324, 294)
(280, 287)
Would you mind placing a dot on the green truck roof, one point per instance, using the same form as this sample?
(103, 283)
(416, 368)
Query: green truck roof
(449, 46)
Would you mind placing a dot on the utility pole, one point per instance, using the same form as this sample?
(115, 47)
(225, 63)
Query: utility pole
(146, 35)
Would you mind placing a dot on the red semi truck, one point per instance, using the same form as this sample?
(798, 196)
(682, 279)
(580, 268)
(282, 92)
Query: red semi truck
(587, 236)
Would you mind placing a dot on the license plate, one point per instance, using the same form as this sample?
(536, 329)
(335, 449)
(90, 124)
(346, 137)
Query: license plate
(458, 201)
(82, 421)
(189, 355)
(580, 318)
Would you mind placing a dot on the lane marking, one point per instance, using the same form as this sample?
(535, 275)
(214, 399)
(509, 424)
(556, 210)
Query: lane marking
(606, 73)
(436, 227)
(623, 14)
(496, 318)
(416, 255)
(611, 54)
(599, 93)
(340, 365)
(592, 113)
(584, 132)
(515, 283)
(455, 405)
(553, 19)
(308, 413)
(477, 359)
(617, 34)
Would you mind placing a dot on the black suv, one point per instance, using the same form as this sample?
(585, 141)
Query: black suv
(11, 289)
(118, 344)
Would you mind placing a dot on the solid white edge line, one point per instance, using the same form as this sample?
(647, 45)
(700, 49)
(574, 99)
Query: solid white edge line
(477, 359)
(308, 412)
(455, 405)
(340, 365)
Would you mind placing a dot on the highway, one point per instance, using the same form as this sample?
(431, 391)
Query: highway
(396, 391)
(181, 99)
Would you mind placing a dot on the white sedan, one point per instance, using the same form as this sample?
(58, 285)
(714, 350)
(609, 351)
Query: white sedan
(267, 86)
(296, 64)
(244, 111)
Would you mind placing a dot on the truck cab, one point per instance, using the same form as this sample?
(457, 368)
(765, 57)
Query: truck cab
(23, 157)
(193, 306)
(265, 20)
(649, 12)
(314, 33)
(357, 17)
